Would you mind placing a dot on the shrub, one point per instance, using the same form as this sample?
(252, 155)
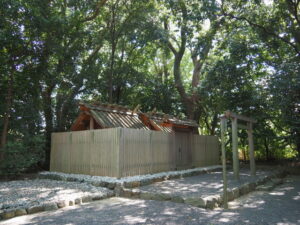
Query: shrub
(21, 155)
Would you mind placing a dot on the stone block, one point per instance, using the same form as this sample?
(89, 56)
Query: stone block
(236, 192)
(252, 186)
(230, 195)
(50, 206)
(78, 201)
(97, 197)
(277, 181)
(175, 176)
(244, 189)
(132, 184)
(126, 193)
(161, 197)
(259, 182)
(111, 186)
(98, 183)
(1, 214)
(62, 203)
(265, 187)
(198, 202)
(188, 174)
(7, 214)
(158, 179)
(177, 199)
(35, 209)
(87, 198)
(105, 184)
(146, 182)
(72, 179)
(147, 195)
(211, 202)
(108, 195)
(71, 202)
(20, 212)
(135, 193)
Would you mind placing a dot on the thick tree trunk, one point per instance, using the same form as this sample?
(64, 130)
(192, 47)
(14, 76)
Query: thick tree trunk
(9, 101)
(47, 108)
(113, 51)
(186, 100)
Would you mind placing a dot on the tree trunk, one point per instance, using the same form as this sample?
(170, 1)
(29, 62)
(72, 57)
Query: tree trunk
(267, 149)
(214, 124)
(9, 101)
(47, 108)
(188, 104)
(113, 50)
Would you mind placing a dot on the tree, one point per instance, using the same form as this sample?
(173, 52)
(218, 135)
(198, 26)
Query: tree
(188, 18)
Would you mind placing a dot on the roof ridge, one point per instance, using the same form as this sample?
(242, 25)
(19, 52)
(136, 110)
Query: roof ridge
(106, 107)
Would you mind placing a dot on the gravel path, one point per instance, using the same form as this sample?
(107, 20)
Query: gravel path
(281, 206)
(202, 185)
(26, 193)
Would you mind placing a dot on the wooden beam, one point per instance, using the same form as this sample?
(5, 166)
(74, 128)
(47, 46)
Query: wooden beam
(251, 149)
(136, 109)
(235, 155)
(229, 114)
(91, 123)
(223, 131)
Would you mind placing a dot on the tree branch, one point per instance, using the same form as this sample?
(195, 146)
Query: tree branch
(99, 5)
(264, 29)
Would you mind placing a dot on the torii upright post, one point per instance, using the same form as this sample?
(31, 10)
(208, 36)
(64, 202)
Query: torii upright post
(251, 149)
(234, 122)
(223, 131)
(235, 153)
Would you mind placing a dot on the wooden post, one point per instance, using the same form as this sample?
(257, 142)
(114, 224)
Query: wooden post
(235, 156)
(251, 149)
(223, 130)
(91, 123)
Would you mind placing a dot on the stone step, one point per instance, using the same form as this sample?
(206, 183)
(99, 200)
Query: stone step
(270, 185)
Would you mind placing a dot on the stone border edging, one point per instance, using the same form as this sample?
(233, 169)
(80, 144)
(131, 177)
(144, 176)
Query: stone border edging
(208, 202)
(49, 206)
(128, 182)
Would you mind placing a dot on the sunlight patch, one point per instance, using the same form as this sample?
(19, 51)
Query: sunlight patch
(297, 197)
(134, 219)
(276, 193)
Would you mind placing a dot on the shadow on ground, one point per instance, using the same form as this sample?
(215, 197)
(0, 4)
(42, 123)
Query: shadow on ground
(280, 206)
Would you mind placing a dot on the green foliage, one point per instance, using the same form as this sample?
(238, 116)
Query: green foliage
(22, 155)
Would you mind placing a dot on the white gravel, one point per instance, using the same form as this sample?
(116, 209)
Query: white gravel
(91, 179)
(26, 193)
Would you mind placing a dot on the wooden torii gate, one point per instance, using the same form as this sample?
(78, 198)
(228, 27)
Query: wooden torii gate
(234, 123)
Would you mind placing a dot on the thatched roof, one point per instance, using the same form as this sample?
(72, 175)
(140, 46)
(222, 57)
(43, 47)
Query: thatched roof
(111, 116)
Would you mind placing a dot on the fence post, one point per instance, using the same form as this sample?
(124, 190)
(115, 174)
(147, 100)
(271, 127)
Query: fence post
(223, 130)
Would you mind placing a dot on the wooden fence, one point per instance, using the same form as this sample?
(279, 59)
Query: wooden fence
(120, 152)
